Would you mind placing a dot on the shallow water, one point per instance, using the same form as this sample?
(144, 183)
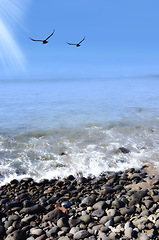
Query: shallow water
(52, 128)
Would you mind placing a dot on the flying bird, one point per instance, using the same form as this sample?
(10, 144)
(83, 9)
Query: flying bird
(76, 44)
(45, 40)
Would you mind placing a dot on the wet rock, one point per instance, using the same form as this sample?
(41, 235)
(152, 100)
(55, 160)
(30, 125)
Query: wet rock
(123, 150)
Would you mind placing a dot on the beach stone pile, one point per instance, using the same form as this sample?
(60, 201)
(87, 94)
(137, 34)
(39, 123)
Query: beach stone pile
(116, 205)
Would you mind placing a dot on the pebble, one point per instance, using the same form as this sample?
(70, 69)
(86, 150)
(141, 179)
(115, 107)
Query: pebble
(102, 208)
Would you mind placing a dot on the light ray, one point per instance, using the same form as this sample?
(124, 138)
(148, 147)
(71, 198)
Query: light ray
(11, 12)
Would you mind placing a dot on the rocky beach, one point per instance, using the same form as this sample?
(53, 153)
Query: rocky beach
(116, 205)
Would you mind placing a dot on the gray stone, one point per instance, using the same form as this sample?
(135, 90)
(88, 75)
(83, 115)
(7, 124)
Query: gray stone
(33, 209)
(53, 231)
(88, 201)
(64, 238)
(127, 210)
(86, 218)
(16, 235)
(81, 234)
(62, 222)
(118, 203)
(111, 212)
(36, 231)
(100, 205)
(74, 221)
(98, 213)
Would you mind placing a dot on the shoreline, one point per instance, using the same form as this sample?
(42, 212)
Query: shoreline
(116, 205)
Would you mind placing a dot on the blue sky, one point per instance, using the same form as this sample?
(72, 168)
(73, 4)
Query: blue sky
(122, 38)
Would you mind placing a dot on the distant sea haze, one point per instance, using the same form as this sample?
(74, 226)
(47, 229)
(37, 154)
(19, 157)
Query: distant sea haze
(50, 128)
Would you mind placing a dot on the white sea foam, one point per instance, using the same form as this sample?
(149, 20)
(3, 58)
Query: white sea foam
(53, 135)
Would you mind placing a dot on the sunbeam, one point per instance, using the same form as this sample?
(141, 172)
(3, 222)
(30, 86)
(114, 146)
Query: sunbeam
(11, 12)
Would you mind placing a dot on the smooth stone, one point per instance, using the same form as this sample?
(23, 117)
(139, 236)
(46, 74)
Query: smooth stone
(16, 235)
(33, 209)
(103, 236)
(13, 204)
(111, 212)
(66, 204)
(53, 231)
(118, 219)
(143, 236)
(64, 238)
(137, 197)
(98, 213)
(81, 234)
(36, 231)
(88, 201)
(118, 203)
(53, 215)
(105, 189)
(62, 222)
(100, 205)
(157, 224)
(105, 219)
(127, 210)
(74, 221)
(123, 150)
(13, 217)
(109, 223)
(129, 232)
(86, 218)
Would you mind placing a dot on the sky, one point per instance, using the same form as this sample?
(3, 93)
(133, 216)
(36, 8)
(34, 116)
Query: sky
(121, 38)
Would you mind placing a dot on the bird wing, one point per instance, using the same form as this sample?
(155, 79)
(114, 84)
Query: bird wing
(81, 40)
(71, 43)
(50, 35)
(36, 40)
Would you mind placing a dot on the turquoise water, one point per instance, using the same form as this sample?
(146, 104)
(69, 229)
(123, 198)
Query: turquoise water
(86, 119)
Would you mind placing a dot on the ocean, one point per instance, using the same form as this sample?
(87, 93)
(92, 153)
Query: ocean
(51, 128)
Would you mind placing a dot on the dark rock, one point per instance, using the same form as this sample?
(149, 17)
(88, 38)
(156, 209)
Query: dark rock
(16, 235)
(127, 210)
(33, 210)
(123, 150)
(137, 196)
(13, 204)
(54, 215)
(105, 189)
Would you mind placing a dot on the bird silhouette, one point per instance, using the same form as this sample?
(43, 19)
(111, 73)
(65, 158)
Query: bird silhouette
(45, 40)
(76, 44)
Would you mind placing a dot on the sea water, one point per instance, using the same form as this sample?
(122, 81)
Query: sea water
(51, 128)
